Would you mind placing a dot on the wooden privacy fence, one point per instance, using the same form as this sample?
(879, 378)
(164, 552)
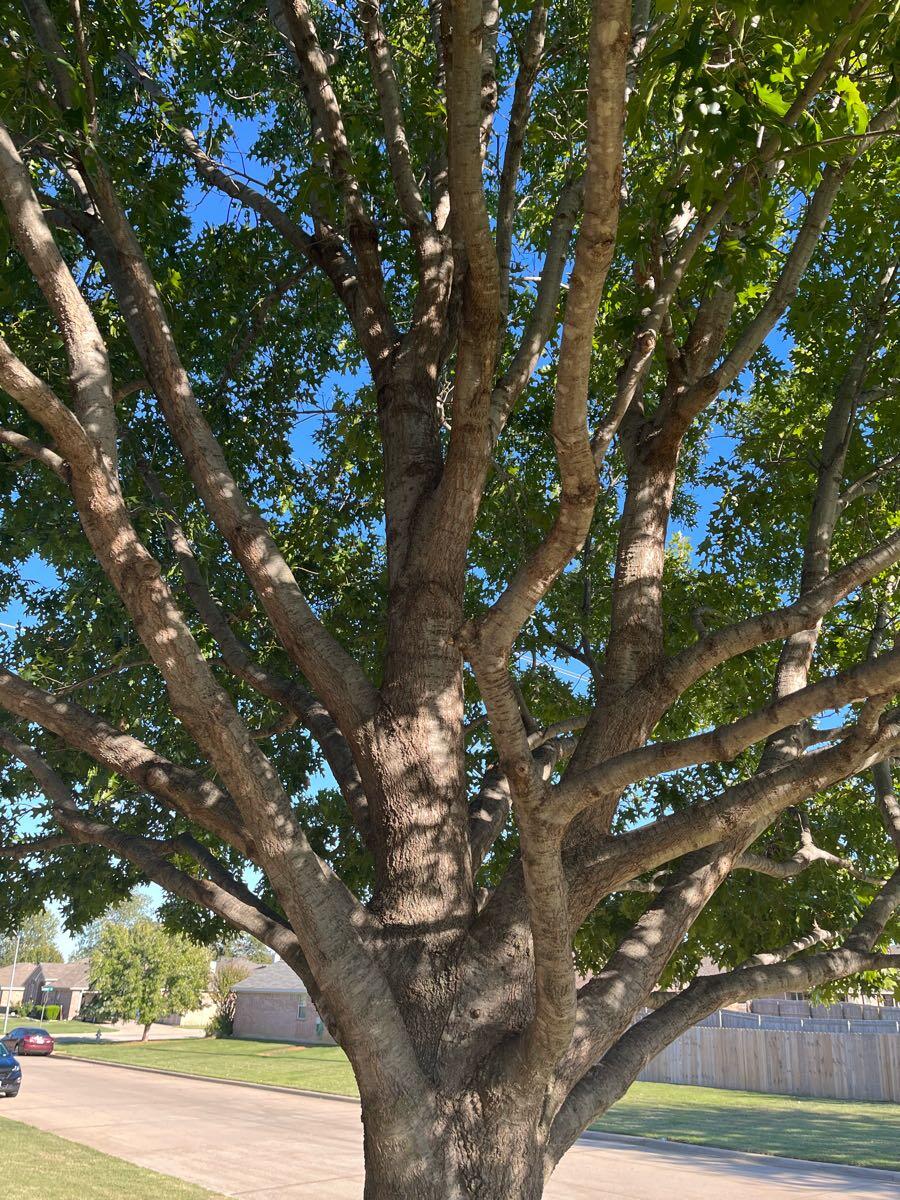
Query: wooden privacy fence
(834, 1065)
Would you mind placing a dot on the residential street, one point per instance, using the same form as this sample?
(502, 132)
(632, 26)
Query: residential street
(265, 1145)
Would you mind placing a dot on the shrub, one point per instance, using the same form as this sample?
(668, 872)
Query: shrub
(46, 1012)
(220, 1025)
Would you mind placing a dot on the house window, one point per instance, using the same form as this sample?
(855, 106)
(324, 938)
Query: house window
(301, 1010)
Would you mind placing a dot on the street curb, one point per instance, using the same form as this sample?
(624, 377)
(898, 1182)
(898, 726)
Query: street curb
(877, 1174)
(242, 1083)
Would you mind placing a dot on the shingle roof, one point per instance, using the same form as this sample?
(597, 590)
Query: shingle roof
(23, 970)
(73, 975)
(277, 978)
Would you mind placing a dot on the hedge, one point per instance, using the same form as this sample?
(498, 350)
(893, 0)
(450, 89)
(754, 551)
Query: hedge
(50, 1012)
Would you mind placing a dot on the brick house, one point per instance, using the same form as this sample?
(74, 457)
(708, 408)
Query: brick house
(13, 985)
(273, 1004)
(69, 985)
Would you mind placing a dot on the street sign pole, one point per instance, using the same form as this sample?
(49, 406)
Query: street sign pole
(45, 990)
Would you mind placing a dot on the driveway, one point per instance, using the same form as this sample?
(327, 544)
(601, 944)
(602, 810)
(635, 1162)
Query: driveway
(265, 1145)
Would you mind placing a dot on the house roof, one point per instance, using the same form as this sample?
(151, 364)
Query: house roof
(277, 978)
(74, 976)
(23, 970)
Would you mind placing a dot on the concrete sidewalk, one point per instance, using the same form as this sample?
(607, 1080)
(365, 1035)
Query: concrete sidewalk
(130, 1031)
(263, 1145)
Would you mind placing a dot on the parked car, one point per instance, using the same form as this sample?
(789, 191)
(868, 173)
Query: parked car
(10, 1073)
(28, 1039)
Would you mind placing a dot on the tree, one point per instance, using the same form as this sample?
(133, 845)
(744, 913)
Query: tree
(462, 450)
(224, 977)
(141, 972)
(244, 946)
(38, 943)
(137, 908)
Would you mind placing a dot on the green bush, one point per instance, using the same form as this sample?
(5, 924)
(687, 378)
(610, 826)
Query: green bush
(46, 1012)
(220, 1026)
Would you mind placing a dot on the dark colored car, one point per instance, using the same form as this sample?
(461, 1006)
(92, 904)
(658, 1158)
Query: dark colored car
(28, 1039)
(10, 1073)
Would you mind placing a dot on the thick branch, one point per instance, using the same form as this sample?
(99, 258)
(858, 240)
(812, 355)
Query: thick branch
(181, 788)
(490, 807)
(37, 397)
(543, 316)
(680, 672)
(468, 207)
(326, 253)
(47, 38)
(88, 363)
(382, 68)
(323, 102)
(610, 1079)
(239, 661)
(222, 894)
(744, 804)
(34, 450)
(334, 675)
(609, 43)
(873, 677)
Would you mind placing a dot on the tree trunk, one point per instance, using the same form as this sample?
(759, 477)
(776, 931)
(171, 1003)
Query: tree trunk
(478, 1159)
(146, 1034)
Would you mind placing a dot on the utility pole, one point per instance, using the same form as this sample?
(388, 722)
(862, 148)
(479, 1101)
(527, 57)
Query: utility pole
(12, 980)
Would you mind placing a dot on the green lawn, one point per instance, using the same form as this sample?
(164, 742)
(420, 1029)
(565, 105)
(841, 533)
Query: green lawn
(41, 1166)
(319, 1068)
(840, 1131)
(825, 1130)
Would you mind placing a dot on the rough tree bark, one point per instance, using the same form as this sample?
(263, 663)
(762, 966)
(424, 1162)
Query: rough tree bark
(480, 1056)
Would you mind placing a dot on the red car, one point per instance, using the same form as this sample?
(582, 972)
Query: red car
(28, 1039)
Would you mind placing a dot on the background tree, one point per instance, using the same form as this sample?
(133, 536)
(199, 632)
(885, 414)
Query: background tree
(127, 913)
(40, 934)
(453, 453)
(224, 978)
(244, 945)
(143, 973)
